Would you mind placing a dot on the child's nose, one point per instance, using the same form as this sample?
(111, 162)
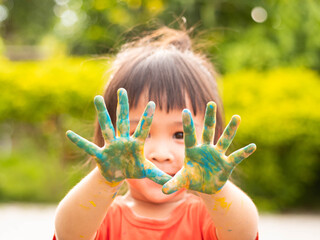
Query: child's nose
(160, 153)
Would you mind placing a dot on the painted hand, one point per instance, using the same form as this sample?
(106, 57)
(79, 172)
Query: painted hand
(206, 167)
(122, 156)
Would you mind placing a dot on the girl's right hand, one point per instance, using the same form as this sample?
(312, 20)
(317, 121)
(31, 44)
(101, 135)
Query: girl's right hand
(122, 156)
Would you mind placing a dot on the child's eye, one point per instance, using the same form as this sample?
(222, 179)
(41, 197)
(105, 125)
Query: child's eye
(178, 135)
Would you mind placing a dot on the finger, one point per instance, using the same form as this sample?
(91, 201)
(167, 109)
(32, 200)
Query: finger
(190, 139)
(84, 144)
(104, 119)
(123, 124)
(176, 183)
(228, 134)
(155, 174)
(209, 123)
(241, 154)
(143, 128)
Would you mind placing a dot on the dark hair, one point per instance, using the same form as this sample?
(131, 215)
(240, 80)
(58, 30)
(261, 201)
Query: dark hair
(163, 66)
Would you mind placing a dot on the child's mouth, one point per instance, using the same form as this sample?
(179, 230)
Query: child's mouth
(171, 174)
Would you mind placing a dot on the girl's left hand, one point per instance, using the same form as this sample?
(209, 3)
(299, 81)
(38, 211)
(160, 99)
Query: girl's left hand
(206, 167)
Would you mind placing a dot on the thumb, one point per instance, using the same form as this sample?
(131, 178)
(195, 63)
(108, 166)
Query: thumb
(177, 182)
(155, 174)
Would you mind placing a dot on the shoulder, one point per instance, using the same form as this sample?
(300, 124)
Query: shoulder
(193, 201)
(112, 220)
(118, 204)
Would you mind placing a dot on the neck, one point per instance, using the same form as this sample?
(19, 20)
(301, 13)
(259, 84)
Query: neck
(155, 210)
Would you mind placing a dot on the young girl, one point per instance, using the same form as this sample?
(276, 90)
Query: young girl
(177, 175)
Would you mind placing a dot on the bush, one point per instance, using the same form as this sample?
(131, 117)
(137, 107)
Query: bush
(36, 91)
(280, 113)
(39, 102)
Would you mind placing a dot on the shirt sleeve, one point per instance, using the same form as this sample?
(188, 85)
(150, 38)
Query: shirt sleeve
(110, 228)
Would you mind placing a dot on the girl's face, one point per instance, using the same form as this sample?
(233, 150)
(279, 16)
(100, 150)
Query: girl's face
(164, 147)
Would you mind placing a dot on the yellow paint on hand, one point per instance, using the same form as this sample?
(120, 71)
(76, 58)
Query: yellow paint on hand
(93, 203)
(81, 236)
(112, 184)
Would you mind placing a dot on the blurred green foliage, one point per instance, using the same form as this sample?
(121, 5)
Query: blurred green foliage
(38, 90)
(288, 36)
(40, 102)
(27, 21)
(279, 110)
(280, 113)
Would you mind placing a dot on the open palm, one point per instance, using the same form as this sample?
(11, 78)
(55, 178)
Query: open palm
(122, 156)
(206, 167)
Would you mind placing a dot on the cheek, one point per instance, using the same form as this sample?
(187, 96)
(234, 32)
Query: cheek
(136, 184)
(180, 154)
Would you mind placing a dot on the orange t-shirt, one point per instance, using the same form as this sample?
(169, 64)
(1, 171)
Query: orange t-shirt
(190, 220)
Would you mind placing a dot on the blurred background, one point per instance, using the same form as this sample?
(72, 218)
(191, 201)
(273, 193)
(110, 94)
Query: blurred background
(54, 57)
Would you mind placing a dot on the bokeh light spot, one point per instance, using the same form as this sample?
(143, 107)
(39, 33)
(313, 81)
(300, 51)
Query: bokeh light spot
(259, 14)
(155, 6)
(101, 4)
(62, 2)
(119, 16)
(68, 18)
(3, 13)
(134, 3)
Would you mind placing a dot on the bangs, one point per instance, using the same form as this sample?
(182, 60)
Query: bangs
(165, 78)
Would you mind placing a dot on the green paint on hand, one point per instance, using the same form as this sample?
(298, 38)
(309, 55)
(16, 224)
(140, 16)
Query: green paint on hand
(122, 156)
(206, 167)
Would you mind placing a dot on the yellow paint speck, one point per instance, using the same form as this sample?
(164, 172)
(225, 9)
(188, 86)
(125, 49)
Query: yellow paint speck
(221, 202)
(93, 204)
(84, 207)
